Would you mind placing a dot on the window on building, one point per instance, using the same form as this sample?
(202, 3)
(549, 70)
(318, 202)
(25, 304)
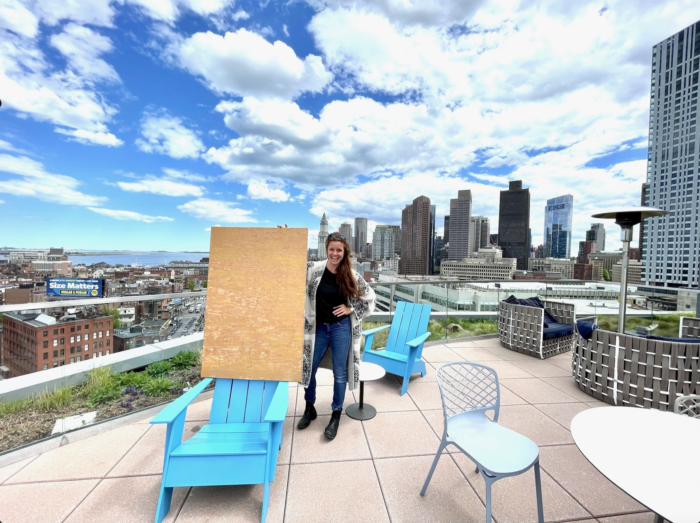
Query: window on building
(46, 356)
(100, 334)
(72, 360)
(63, 352)
(78, 328)
(94, 335)
(94, 345)
(72, 329)
(72, 350)
(78, 338)
(63, 331)
(107, 343)
(55, 364)
(46, 366)
(106, 353)
(77, 358)
(46, 344)
(55, 343)
(46, 333)
(63, 341)
(72, 339)
(107, 333)
(100, 345)
(100, 353)
(86, 347)
(87, 357)
(55, 331)
(55, 354)
(87, 327)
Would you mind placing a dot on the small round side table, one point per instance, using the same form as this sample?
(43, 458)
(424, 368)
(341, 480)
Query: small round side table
(363, 411)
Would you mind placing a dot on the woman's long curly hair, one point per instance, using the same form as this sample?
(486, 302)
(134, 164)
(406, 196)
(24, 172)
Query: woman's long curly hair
(346, 281)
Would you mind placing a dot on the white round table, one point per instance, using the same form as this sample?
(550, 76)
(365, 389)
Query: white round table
(363, 411)
(653, 456)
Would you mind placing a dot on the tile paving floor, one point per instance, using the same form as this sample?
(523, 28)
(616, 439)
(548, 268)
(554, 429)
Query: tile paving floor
(372, 472)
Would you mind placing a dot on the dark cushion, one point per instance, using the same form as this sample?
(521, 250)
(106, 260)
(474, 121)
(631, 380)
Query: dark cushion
(532, 302)
(512, 300)
(586, 328)
(548, 318)
(677, 340)
(557, 330)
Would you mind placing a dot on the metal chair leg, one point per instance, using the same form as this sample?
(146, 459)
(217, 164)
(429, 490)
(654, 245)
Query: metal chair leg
(432, 468)
(538, 490)
(488, 499)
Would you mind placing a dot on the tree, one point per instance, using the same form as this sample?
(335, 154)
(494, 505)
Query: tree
(606, 275)
(190, 285)
(114, 313)
(204, 285)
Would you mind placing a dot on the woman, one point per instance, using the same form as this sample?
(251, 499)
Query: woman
(337, 298)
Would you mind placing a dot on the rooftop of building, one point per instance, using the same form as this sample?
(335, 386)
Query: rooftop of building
(371, 472)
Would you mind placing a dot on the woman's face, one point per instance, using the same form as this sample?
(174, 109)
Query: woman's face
(335, 252)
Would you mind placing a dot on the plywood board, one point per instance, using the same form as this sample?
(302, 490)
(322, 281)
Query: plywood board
(255, 304)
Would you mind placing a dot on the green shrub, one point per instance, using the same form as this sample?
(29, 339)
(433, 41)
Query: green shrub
(16, 406)
(133, 379)
(98, 378)
(103, 394)
(159, 387)
(52, 400)
(159, 369)
(185, 359)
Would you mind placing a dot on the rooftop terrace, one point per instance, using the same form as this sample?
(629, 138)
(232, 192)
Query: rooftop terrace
(372, 472)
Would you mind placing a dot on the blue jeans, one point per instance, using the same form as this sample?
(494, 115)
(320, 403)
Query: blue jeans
(338, 337)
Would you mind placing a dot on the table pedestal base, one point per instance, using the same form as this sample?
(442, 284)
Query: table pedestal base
(361, 410)
(362, 413)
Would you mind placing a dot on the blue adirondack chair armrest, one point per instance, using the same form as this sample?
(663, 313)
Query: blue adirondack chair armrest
(277, 410)
(417, 341)
(172, 411)
(377, 329)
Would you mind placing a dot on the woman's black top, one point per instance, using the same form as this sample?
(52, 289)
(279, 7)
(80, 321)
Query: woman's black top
(328, 297)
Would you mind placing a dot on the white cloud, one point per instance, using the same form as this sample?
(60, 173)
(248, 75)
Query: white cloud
(217, 210)
(261, 190)
(208, 229)
(165, 134)
(34, 87)
(243, 63)
(177, 174)
(18, 18)
(93, 12)
(240, 15)
(82, 47)
(163, 186)
(285, 30)
(130, 215)
(7, 146)
(170, 10)
(34, 181)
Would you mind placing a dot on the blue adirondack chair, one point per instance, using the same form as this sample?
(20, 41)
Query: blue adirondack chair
(239, 446)
(402, 355)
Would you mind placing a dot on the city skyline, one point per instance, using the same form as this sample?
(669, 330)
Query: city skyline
(157, 147)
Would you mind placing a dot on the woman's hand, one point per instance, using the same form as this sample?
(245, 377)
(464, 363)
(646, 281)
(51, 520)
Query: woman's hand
(342, 310)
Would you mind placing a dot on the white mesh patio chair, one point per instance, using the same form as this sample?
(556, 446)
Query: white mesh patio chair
(688, 405)
(468, 391)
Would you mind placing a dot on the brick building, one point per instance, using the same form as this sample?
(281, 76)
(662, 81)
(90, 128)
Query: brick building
(34, 341)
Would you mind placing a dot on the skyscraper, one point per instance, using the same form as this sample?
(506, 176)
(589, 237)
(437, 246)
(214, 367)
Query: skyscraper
(383, 241)
(346, 230)
(514, 223)
(446, 234)
(360, 234)
(671, 246)
(480, 230)
(431, 262)
(460, 217)
(558, 218)
(322, 235)
(415, 237)
(596, 235)
(643, 203)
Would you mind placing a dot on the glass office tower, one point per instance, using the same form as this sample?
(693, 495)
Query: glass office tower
(558, 217)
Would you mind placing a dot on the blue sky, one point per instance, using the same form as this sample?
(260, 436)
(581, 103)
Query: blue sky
(140, 125)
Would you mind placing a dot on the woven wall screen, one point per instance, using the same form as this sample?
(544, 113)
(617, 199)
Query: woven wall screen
(255, 304)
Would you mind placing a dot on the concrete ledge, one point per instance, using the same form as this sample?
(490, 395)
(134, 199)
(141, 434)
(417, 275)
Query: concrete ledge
(34, 449)
(77, 373)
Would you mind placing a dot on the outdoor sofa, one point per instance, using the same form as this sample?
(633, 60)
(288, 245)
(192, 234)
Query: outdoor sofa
(650, 372)
(537, 328)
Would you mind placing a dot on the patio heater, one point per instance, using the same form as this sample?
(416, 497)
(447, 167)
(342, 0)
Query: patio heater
(627, 218)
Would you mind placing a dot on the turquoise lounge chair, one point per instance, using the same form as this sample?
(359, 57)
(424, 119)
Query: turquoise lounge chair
(239, 445)
(402, 355)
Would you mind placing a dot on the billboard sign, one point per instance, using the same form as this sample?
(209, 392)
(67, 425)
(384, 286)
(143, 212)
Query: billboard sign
(74, 287)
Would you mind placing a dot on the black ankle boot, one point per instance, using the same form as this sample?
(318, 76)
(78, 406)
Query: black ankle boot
(308, 417)
(332, 428)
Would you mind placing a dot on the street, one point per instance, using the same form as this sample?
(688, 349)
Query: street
(186, 322)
